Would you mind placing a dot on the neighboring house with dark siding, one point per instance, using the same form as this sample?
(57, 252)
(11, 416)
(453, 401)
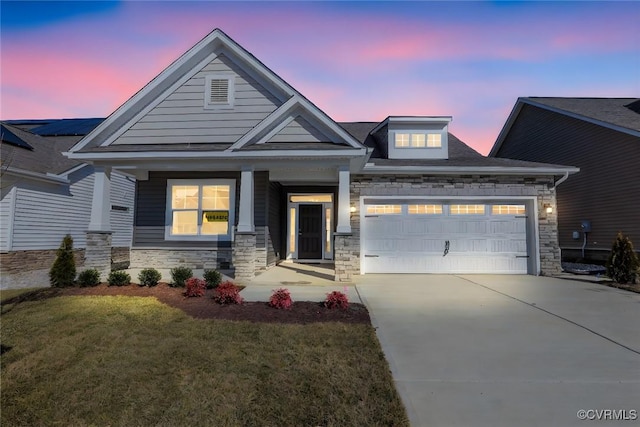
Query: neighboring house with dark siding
(45, 195)
(601, 136)
(236, 168)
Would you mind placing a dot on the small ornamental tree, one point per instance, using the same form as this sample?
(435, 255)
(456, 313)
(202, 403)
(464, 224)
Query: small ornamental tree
(63, 270)
(623, 264)
(227, 293)
(281, 298)
(194, 287)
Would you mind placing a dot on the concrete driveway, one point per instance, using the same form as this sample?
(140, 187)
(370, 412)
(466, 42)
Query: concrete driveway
(485, 350)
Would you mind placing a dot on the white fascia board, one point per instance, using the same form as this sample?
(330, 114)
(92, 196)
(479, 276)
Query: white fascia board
(259, 154)
(420, 119)
(46, 177)
(467, 170)
(583, 118)
(330, 123)
(263, 126)
(76, 168)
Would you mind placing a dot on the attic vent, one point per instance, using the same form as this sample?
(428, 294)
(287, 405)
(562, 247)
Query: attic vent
(219, 91)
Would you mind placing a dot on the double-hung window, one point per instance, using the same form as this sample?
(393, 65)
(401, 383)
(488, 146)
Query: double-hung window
(200, 209)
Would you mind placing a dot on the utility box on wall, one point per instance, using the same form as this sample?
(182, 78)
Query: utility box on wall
(585, 226)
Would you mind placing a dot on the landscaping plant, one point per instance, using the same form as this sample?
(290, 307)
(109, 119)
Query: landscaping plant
(281, 298)
(149, 277)
(63, 270)
(623, 264)
(194, 287)
(213, 278)
(227, 293)
(179, 275)
(90, 277)
(336, 299)
(119, 278)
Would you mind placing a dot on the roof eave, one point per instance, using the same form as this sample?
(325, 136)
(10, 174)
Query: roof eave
(470, 170)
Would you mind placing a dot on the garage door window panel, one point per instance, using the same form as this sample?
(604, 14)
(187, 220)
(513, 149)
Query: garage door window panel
(467, 209)
(508, 210)
(425, 209)
(384, 209)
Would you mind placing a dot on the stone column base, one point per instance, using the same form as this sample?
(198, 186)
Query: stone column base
(346, 258)
(98, 253)
(244, 256)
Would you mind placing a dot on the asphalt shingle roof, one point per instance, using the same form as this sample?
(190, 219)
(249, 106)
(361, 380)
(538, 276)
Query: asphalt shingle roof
(621, 112)
(46, 155)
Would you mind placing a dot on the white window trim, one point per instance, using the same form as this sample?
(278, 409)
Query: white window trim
(426, 134)
(230, 78)
(232, 210)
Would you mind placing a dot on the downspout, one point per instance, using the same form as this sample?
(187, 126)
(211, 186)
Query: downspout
(561, 180)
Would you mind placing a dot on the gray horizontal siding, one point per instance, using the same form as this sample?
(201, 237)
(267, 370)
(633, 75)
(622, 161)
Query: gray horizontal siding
(182, 118)
(151, 200)
(605, 191)
(6, 215)
(299, 130)
(44, 214)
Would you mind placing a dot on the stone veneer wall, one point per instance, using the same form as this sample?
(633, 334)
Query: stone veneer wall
(25, 269)
(169, 258)
(244, 256)
(347, 248)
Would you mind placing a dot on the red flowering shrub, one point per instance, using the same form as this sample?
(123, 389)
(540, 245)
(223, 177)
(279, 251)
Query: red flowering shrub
(281, 298)
(194, 287)
(227, 293)
(336, 299)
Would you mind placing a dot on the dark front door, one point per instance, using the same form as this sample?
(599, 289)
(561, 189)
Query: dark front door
(310, 232)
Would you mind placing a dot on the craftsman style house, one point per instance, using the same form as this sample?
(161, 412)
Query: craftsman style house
(601, 136)
(235, 168)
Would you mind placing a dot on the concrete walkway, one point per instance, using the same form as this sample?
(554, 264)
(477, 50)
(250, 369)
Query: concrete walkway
(305, 282)
(485, 350)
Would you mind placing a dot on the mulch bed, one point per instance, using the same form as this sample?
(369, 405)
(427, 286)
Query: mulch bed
(301, 312)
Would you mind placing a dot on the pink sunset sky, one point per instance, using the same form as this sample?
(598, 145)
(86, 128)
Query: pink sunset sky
(357, 61)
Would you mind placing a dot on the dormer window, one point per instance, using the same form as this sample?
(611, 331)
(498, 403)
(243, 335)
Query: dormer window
(219, 91)
(418, 140)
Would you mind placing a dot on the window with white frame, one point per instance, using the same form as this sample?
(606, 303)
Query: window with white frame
(200, 209)
(219, 91)
(417, 140)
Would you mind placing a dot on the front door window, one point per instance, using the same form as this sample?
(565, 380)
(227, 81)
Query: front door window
(310, 222)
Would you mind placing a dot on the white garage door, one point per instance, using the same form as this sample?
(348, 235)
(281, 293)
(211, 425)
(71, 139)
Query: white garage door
(412, 237)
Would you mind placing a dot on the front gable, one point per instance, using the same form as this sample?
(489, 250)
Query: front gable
(216, 97)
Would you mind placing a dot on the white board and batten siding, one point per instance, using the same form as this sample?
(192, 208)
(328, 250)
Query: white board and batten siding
(444, 243)
(44, 214)
(182, 117)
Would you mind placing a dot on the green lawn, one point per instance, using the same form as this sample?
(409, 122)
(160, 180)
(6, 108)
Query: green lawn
(126, 361)
(6, 294)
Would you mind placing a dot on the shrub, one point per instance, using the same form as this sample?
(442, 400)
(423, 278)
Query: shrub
(179, 275)
(281, 298)
(227, 293)
(118, 278)
(336, 299)
(622, 265)
(213, 278)
(90, 277)
(63, 270)
(195, 287)
(149, 277)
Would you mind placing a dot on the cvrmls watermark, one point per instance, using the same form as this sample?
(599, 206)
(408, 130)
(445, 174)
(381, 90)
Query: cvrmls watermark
(608, 414)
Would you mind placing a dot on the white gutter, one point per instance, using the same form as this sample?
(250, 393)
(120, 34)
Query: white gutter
(48, 177)
(176, 155)
(468, 170)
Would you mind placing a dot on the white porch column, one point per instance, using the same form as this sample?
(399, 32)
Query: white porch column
(344, 212)
(245, 218)
(101, 204)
